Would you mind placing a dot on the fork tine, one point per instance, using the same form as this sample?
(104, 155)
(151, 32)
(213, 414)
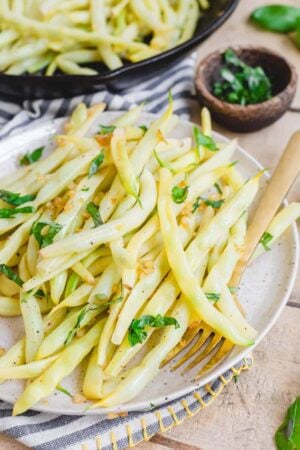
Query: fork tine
(216, 339)
(188, 336)
(206, 332)
(220, 354)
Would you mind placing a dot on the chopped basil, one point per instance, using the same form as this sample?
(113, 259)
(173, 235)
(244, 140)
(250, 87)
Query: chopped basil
(240, 83)
(47, 238)
(216, 204)
(93, 211)
(136, 332)
(95, 164)
(77, 325)
(144, 128)
(106, 129)
(218, 188)
(212, 296)
(63, 390)
(160, 161)
(10, 274)
(8, 213)
(85, 189)
(233, 289)
(15, 199)
(32, 157)
(110, 302)
(179, 194)
(265, 239)
(287, 436)
(204, 141)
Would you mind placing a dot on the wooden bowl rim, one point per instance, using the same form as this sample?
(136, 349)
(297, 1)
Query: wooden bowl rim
(205, 92)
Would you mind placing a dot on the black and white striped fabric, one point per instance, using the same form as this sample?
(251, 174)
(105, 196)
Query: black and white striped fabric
(42, 431)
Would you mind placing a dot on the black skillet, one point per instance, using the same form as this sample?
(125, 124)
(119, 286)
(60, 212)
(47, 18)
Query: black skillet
(17, 87)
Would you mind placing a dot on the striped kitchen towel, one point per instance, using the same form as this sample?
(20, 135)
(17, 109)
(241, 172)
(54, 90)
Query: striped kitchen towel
(42, 431)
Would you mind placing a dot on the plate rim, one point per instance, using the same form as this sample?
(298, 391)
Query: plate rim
(159, 401)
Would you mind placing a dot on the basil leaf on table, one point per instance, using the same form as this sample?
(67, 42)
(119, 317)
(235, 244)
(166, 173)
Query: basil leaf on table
(287, 436)
(279, 18)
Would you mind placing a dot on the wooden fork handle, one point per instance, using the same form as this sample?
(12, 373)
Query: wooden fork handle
(283, 177)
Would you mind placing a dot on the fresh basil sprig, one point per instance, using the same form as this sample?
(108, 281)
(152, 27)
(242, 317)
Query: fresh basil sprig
(78, 322)
(179, 194)
(93, 211)
(265, 239)
(287, 436)
(95, 164)
(10, 274)
(9, 213)
(32, 157)
(15, 199)
(137, 333)
(45, 239)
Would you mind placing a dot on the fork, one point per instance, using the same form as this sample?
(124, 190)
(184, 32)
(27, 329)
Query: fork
(208, 341)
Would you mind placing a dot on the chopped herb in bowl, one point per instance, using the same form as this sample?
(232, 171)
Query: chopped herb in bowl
(240, 83)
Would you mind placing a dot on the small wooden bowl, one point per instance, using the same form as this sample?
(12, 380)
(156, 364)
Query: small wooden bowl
(251, 117)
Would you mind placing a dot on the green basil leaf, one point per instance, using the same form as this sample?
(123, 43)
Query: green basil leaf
(233, 289)
(15, 199)
(106, 129)
(279, 18)
(287, 436)
(85, 189)
(63, 390)
(265, 239)
(179, 194)
(47, 238)
(204, 141)
(77, 325)
(93, 211)
(212, 296)
(144, 128)
(218, 188)
(8, 213)
(32, 157)
(242, 84)
(216, 204)
(10, 274)
(160, 161)
(231, 58)
(95, 164)
(136, 332)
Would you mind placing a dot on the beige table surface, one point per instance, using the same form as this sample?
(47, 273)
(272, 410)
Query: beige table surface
(246, 414)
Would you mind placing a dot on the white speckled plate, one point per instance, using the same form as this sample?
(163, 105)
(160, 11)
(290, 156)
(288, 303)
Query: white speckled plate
(265, 288)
